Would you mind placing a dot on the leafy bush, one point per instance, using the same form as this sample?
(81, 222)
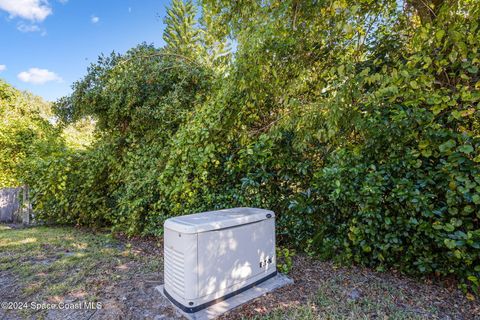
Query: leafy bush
(284, 260)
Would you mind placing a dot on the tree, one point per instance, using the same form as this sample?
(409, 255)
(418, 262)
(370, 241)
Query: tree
(181, 33)
(25, 134)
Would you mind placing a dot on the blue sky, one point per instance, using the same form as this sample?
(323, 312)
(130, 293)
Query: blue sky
(47, 45)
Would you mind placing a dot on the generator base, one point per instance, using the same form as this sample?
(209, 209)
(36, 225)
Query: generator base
(219, 308)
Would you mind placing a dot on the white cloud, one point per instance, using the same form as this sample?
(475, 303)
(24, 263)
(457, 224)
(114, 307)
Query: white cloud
(38, 76)
(33, 10)
(27, 27)
(95, 19)
(3, 67)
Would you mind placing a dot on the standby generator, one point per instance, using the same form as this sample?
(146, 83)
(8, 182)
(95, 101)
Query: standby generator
(212, 256)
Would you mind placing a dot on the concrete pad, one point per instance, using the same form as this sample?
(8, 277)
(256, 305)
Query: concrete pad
(221, 307)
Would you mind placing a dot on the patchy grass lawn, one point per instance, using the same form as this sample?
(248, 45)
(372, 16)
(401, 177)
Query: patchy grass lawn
(47, 264)
(52, 265)
(55, 261)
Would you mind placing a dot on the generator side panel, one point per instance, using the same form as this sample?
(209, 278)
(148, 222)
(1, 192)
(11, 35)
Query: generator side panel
(180, 261)
(234, 257)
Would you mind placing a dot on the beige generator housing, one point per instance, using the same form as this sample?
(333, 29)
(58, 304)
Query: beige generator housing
(212, 256)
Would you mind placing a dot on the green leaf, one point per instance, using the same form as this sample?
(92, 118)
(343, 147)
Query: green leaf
(450, 243)
(436, 109)
(366, 248)
(426, 153)
(473, 69)
(457, 114)
(466, 148)
(437, 226)
(447, 145)
(448, 227)
(439, 34)
(476, 199)
(473, 279)
(453, 56)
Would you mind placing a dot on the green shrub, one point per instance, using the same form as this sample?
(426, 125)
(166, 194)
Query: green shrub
(285, 260)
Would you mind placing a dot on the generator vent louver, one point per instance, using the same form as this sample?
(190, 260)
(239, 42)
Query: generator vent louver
(174, 270)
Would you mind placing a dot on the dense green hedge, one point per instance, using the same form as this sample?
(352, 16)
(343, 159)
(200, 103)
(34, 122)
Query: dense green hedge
(356, 121)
